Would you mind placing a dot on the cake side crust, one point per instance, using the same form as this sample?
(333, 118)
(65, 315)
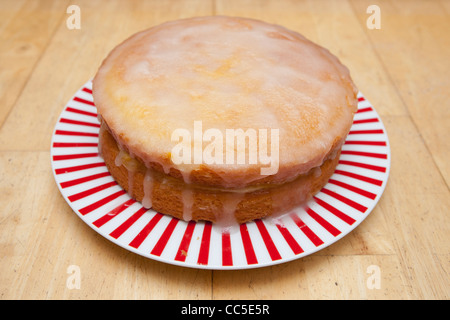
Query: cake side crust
(174, 197)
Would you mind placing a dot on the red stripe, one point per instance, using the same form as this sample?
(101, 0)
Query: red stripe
(295, 247)
(324, 223)
(111, 214)
(87, 90)
(359, 177)
(364, 109)
(366, 143)
(75, 133)
(365, 154)
(74, 144)
(362, 192)
(274, 254)
(161, 244)
(306, 230)
(84, 101)
(128, 223)
(227, 257)
(204, 245)
(345, 200)
(372, 131)
(336, 212)
(361, 99)
(248, 246)
(89, 192)
(137, 241)
(101, 202)
(363, 165)
(366, 121)
(80, 123)
(185, 242)
(86, 113)
(84, 179)
(78, 168)
(74, 156)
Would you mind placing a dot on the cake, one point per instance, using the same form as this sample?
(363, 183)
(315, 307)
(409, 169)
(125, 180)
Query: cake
(222, 119)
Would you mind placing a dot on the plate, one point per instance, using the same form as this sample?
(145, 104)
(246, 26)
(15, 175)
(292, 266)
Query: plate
(347, 199)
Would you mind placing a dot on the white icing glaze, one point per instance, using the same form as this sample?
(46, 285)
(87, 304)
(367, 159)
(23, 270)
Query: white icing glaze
(229, 73)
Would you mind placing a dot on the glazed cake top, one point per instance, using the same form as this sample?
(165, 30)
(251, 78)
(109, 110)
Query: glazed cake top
(227, 73)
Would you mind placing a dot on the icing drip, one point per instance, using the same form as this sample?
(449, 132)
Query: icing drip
(186, 176)
(317, 172)
(126, 160)
(148, 189)
(118, 159)
(230, 204)
(166, 168)
(188, 202)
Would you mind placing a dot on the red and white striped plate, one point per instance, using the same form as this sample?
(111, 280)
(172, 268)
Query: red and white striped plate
(98, 200)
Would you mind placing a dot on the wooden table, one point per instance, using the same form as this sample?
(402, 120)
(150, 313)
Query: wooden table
(402, 69)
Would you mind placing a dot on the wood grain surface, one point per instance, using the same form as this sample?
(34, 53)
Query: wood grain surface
(402, 69)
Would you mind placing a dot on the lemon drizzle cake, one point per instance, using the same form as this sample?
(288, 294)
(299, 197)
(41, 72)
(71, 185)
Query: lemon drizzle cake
(206, 77)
